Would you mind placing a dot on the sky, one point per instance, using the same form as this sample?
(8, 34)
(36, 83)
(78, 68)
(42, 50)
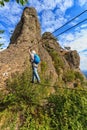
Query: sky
(52, 14)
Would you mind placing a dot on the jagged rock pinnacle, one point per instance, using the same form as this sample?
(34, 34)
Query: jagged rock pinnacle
(28, 28)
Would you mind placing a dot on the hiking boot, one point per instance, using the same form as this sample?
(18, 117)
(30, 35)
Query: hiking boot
(32, 82)
(38, 82)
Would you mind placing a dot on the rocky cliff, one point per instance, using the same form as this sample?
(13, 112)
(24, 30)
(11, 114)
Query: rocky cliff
(27, 33)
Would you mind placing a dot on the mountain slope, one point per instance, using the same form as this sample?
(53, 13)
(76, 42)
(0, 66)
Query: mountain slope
(59, 101)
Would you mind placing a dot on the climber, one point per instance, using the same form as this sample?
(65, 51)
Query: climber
(35, 60)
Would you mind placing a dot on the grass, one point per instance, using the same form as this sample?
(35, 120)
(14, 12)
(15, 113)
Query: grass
(30, 106)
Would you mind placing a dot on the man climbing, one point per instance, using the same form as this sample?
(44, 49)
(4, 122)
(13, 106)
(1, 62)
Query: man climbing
(35, 59)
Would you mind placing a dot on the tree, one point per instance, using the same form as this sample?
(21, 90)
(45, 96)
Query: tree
(1, 32)
(1, 45)
(22, 2)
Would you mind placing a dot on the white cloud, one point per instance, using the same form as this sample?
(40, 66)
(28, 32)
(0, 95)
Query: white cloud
(65, 4)
(83, 64)
(37, 4)
(4, 40)
(50, 4)
(80, 42)
(9, 16)
(52, 16)
(77, 41)
(82, 2)
(41, 5)
(11, 12)
(69, 37)
(51, 21)
(84, 25)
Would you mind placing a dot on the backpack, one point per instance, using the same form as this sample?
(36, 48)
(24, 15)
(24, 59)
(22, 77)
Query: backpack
(36, 59)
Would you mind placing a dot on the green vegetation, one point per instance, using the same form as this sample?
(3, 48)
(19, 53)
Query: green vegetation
(79, 76)
(30, 106)
(57, 61)
(43, 67)
(1, 45)
(68, 110)
(71, 76)
(56, 58)
(22, 2)
(1, 31)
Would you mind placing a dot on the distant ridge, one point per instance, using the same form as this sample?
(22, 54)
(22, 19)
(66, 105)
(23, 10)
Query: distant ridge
(85, 72)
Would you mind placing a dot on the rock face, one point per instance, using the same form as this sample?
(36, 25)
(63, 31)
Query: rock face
(28, 29)
(73, 59)
(26, 34)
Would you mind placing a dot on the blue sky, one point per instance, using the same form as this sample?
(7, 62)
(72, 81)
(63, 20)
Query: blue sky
(52, 15)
